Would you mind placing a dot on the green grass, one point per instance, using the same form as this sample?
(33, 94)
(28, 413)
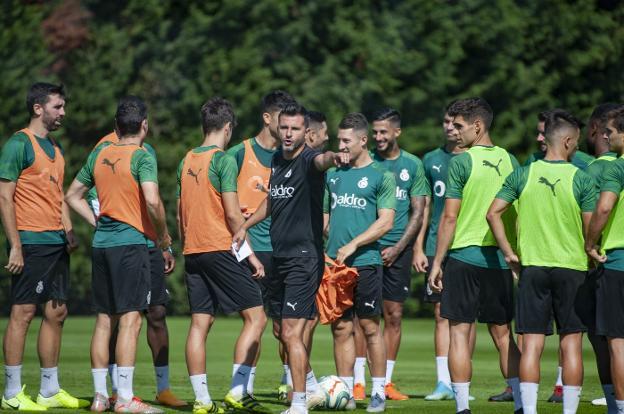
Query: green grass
(414, 372)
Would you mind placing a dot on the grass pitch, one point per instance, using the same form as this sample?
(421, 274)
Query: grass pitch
(414, 372)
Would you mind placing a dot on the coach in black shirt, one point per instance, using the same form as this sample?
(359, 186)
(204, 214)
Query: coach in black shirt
(295, 204)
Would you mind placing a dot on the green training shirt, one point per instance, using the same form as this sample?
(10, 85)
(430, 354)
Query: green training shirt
(475, 177)
(436, 165)
(612, 235)
(352, 198)
(597, 167)
(409, 176)
(109, 232)
(551, 196)
(17, 155)
(259, 234)
(580, 159)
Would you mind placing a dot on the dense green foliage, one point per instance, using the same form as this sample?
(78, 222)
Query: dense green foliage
(335, 56)
(414, 373)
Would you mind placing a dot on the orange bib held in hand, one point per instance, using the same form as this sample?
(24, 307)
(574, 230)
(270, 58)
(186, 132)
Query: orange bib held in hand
(253, 180)
(201, 207)
(335, 295)
(119, 193)
(39, 190)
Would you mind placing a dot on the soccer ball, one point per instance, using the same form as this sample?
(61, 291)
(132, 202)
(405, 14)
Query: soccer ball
(336, 392)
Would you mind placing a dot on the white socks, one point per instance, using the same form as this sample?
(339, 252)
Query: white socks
(349, 382)
(162, 378)
(250, 383)
(240, 379)
(389, 369)
(559, 382)
(112, 372)
(200, 388)
(528, 392)
(462, 395)
(311, 382)
(13, 378)
(378, 387)
(49, 382)
(99, 381)
(620, 406)
(571, 398)
(514, 383)
(359, 375)
(286, 376)
(442, 369)
(299, 402)
(124, 376)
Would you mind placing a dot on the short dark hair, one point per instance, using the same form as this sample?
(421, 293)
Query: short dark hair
(215, 113)
(390, 114)
(617, 116)
(558, 113)
(294, 109)
(447, 107)
(559, 120)
(317, 117)
(599, 115)
(131, 112)
(354, 120)
(471, 109)
(39, 93)
(276, 101)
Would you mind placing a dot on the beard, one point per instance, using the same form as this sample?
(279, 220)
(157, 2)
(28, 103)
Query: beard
(50, 123)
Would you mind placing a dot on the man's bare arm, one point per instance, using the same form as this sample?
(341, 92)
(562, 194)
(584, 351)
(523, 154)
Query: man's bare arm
(74, 197)
(9, 223)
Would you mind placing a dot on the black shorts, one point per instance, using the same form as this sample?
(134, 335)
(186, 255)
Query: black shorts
(217, 281)
(120, 281)
(159, 295)
(397, 278)
(587, 296)
(45, 275)
(610, 304)
(429, 295)
(293, 295)
(266, 258)
(545, 291)
(476, 293)
(367, 295)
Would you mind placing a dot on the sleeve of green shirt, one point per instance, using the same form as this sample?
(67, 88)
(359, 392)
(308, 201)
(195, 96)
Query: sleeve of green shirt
(595, 170)
(85, 175)
(420, 186)
(179, 174)
(144, 167)
(529, 160)
(386, 197)
(584, 189)
(12, 158)
(238, 152)
(514, 161)
(513, 185)
(326, 200)
(613, 178)
(458, 174)
(152, 152)
(226, 172)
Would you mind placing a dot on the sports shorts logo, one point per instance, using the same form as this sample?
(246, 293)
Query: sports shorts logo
(347, 200)
(149, 297)
(39, 287)
(404, 176)
(292, 305)
(363, 183)
(544, 180)
(110, 164)
(372, 304)
(193, 174)
(486, 163)
(439, 188)
(282, 192)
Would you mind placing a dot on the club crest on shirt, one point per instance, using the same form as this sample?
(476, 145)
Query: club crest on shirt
(363, 183)
(404, 176)
(39, 287)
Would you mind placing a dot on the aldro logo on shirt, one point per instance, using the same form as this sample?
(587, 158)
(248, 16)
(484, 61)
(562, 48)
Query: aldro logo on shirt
(282, 191)
(347, 200)
(400, 194)
(544, 180)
